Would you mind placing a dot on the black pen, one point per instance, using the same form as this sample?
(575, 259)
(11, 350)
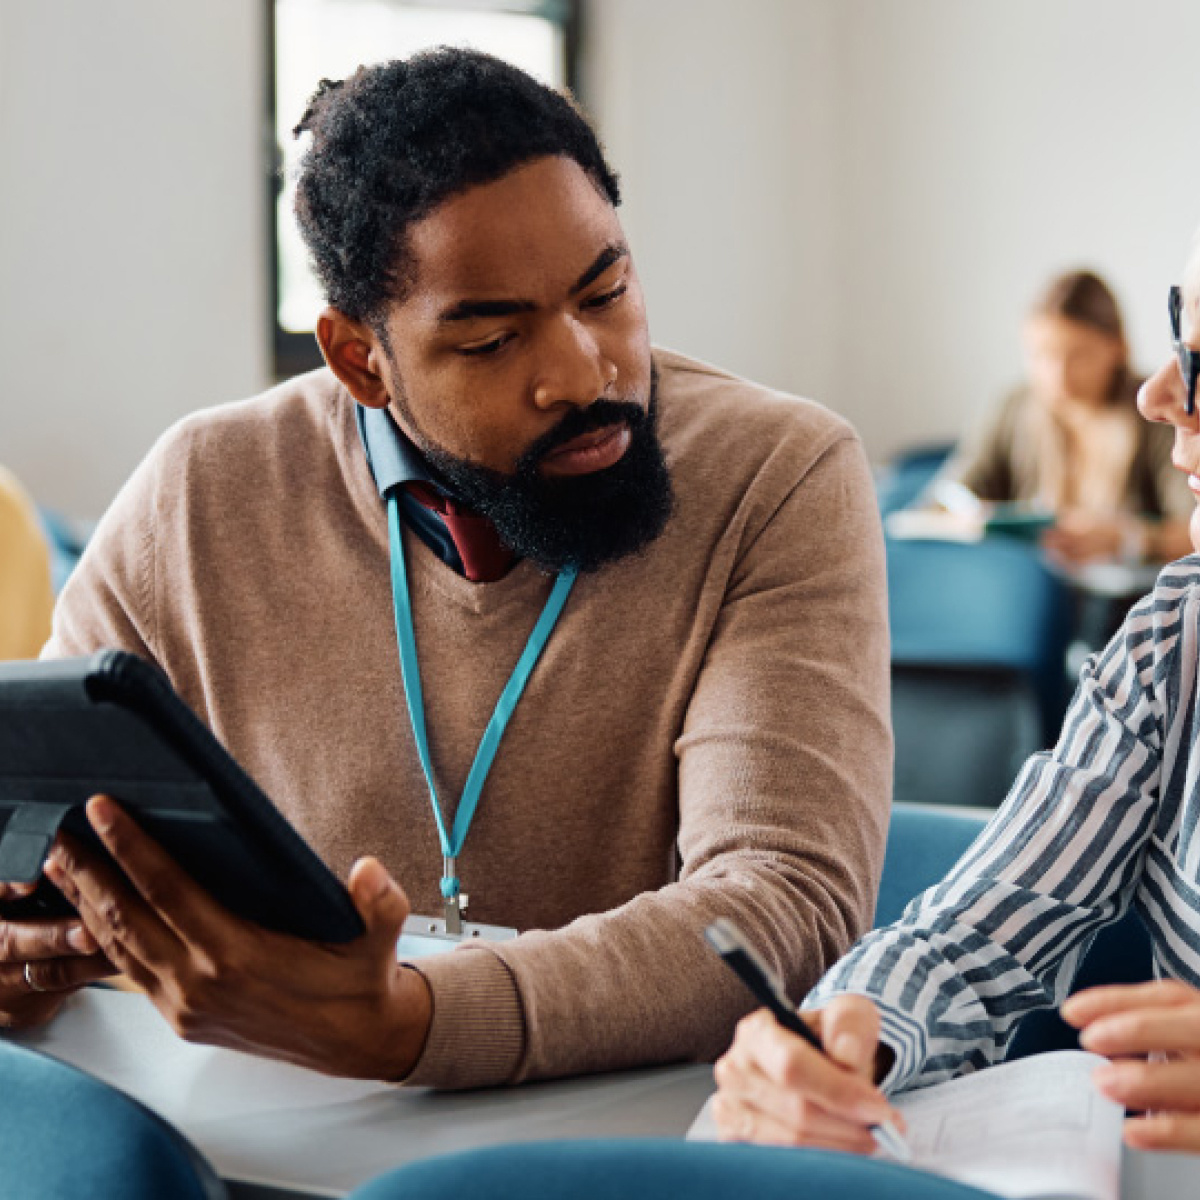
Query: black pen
(723, 936)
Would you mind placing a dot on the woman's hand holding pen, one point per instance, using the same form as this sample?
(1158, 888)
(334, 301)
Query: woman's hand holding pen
(775, 1088)
(1128, 1023)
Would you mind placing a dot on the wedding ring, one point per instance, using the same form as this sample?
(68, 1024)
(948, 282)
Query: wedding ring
(33, 987)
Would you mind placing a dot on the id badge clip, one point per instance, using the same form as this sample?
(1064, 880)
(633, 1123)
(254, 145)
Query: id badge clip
(423, 936)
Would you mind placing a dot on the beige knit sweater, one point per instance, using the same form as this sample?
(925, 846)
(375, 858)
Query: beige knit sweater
(707, 733)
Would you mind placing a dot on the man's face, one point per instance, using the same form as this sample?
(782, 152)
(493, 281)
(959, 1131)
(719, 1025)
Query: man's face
(520, 363)
(525, 306)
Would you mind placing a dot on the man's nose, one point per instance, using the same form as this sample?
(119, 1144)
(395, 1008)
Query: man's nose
(573, 369)
(1161, 397)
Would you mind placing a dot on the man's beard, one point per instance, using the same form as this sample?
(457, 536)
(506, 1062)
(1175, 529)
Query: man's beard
(585, 521)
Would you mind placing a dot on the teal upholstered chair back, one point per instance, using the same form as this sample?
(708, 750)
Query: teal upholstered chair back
(979, 636)
(655, 1169)
(64, 1134)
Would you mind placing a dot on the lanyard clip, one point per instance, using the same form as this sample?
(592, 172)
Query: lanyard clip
(453, 910)
(454, 900)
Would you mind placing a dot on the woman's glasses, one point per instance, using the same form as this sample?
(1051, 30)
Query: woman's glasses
(1189, 359)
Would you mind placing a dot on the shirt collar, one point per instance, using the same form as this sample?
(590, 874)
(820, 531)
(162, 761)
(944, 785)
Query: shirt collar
(391, 454)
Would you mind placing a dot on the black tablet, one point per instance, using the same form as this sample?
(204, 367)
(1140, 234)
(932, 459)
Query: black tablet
(112, 723)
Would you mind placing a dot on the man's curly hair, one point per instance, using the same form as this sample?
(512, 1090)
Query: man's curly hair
(395, 140)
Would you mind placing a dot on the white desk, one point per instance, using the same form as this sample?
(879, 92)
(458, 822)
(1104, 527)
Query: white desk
(291, 1132)
(278, 1131)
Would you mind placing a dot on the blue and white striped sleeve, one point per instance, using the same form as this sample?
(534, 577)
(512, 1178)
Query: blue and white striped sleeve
(1003, 933)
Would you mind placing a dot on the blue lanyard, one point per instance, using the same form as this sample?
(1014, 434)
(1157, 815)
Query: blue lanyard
(452, 842)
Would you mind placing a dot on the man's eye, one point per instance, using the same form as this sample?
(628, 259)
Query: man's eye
(491, 346)
(606, 298)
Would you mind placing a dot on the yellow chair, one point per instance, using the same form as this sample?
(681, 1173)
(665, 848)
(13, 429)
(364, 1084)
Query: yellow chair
(26, 595)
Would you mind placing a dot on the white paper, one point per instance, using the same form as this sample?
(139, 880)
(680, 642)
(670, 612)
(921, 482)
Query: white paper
(1035, 1127)
(1032, 1128)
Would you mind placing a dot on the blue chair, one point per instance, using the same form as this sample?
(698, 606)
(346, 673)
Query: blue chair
(64, 1134)
(908, 474)
(652, 1169)
(985, 604)
(67, 541)
(979, 636)
(924, 842)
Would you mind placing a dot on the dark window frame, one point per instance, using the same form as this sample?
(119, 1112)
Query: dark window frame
(294, 353)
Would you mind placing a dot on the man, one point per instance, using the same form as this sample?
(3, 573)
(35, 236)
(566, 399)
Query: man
(704, 730)
(1104, 822)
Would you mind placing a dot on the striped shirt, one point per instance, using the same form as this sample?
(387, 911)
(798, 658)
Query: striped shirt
(1105, 821)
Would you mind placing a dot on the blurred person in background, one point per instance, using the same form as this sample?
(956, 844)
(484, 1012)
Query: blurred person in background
(1068, 440)
(26, 597)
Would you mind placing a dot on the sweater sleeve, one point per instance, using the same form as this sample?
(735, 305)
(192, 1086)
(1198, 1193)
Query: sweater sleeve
(1003, 934)
(784, 776)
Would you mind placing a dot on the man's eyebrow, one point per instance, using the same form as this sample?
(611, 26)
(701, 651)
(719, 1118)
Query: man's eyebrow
(605, 259)
(470, 310)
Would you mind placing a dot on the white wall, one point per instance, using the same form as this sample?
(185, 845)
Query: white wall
(852, 199)
(985, 147)
(721, 118)
(131, 281)
(856, 199)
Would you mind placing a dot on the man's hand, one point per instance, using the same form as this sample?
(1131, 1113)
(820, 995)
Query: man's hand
(775, 1088)
(42, 962)
(1128, 1023)
(345, 1010)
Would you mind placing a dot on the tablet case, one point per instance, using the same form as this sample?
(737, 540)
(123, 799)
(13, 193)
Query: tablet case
(112, 723)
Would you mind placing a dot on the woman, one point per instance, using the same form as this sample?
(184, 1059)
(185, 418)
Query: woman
(1069, 440)
(1107, 820)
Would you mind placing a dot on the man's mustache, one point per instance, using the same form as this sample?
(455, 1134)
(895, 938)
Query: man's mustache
(597, 415)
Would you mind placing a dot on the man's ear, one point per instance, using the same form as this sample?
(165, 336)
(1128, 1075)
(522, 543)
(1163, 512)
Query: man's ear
(354, 355)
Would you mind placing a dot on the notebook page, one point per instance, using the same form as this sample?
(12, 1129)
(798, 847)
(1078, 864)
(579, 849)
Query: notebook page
(1032, 1128)
(1035, 1127)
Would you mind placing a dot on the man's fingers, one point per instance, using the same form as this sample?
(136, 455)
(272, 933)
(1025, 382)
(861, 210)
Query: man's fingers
(380, 900)
(16, 891)
(1087, 1006)
(126, 928)
(25, 941)
(54, 974)
(178, 900)
(1167, 1086)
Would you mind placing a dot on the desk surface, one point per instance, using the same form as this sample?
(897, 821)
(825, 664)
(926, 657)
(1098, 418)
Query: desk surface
(274, 1125)
(275, 1130)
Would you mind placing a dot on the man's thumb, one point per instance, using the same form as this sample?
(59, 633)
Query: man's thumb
(380, 900)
